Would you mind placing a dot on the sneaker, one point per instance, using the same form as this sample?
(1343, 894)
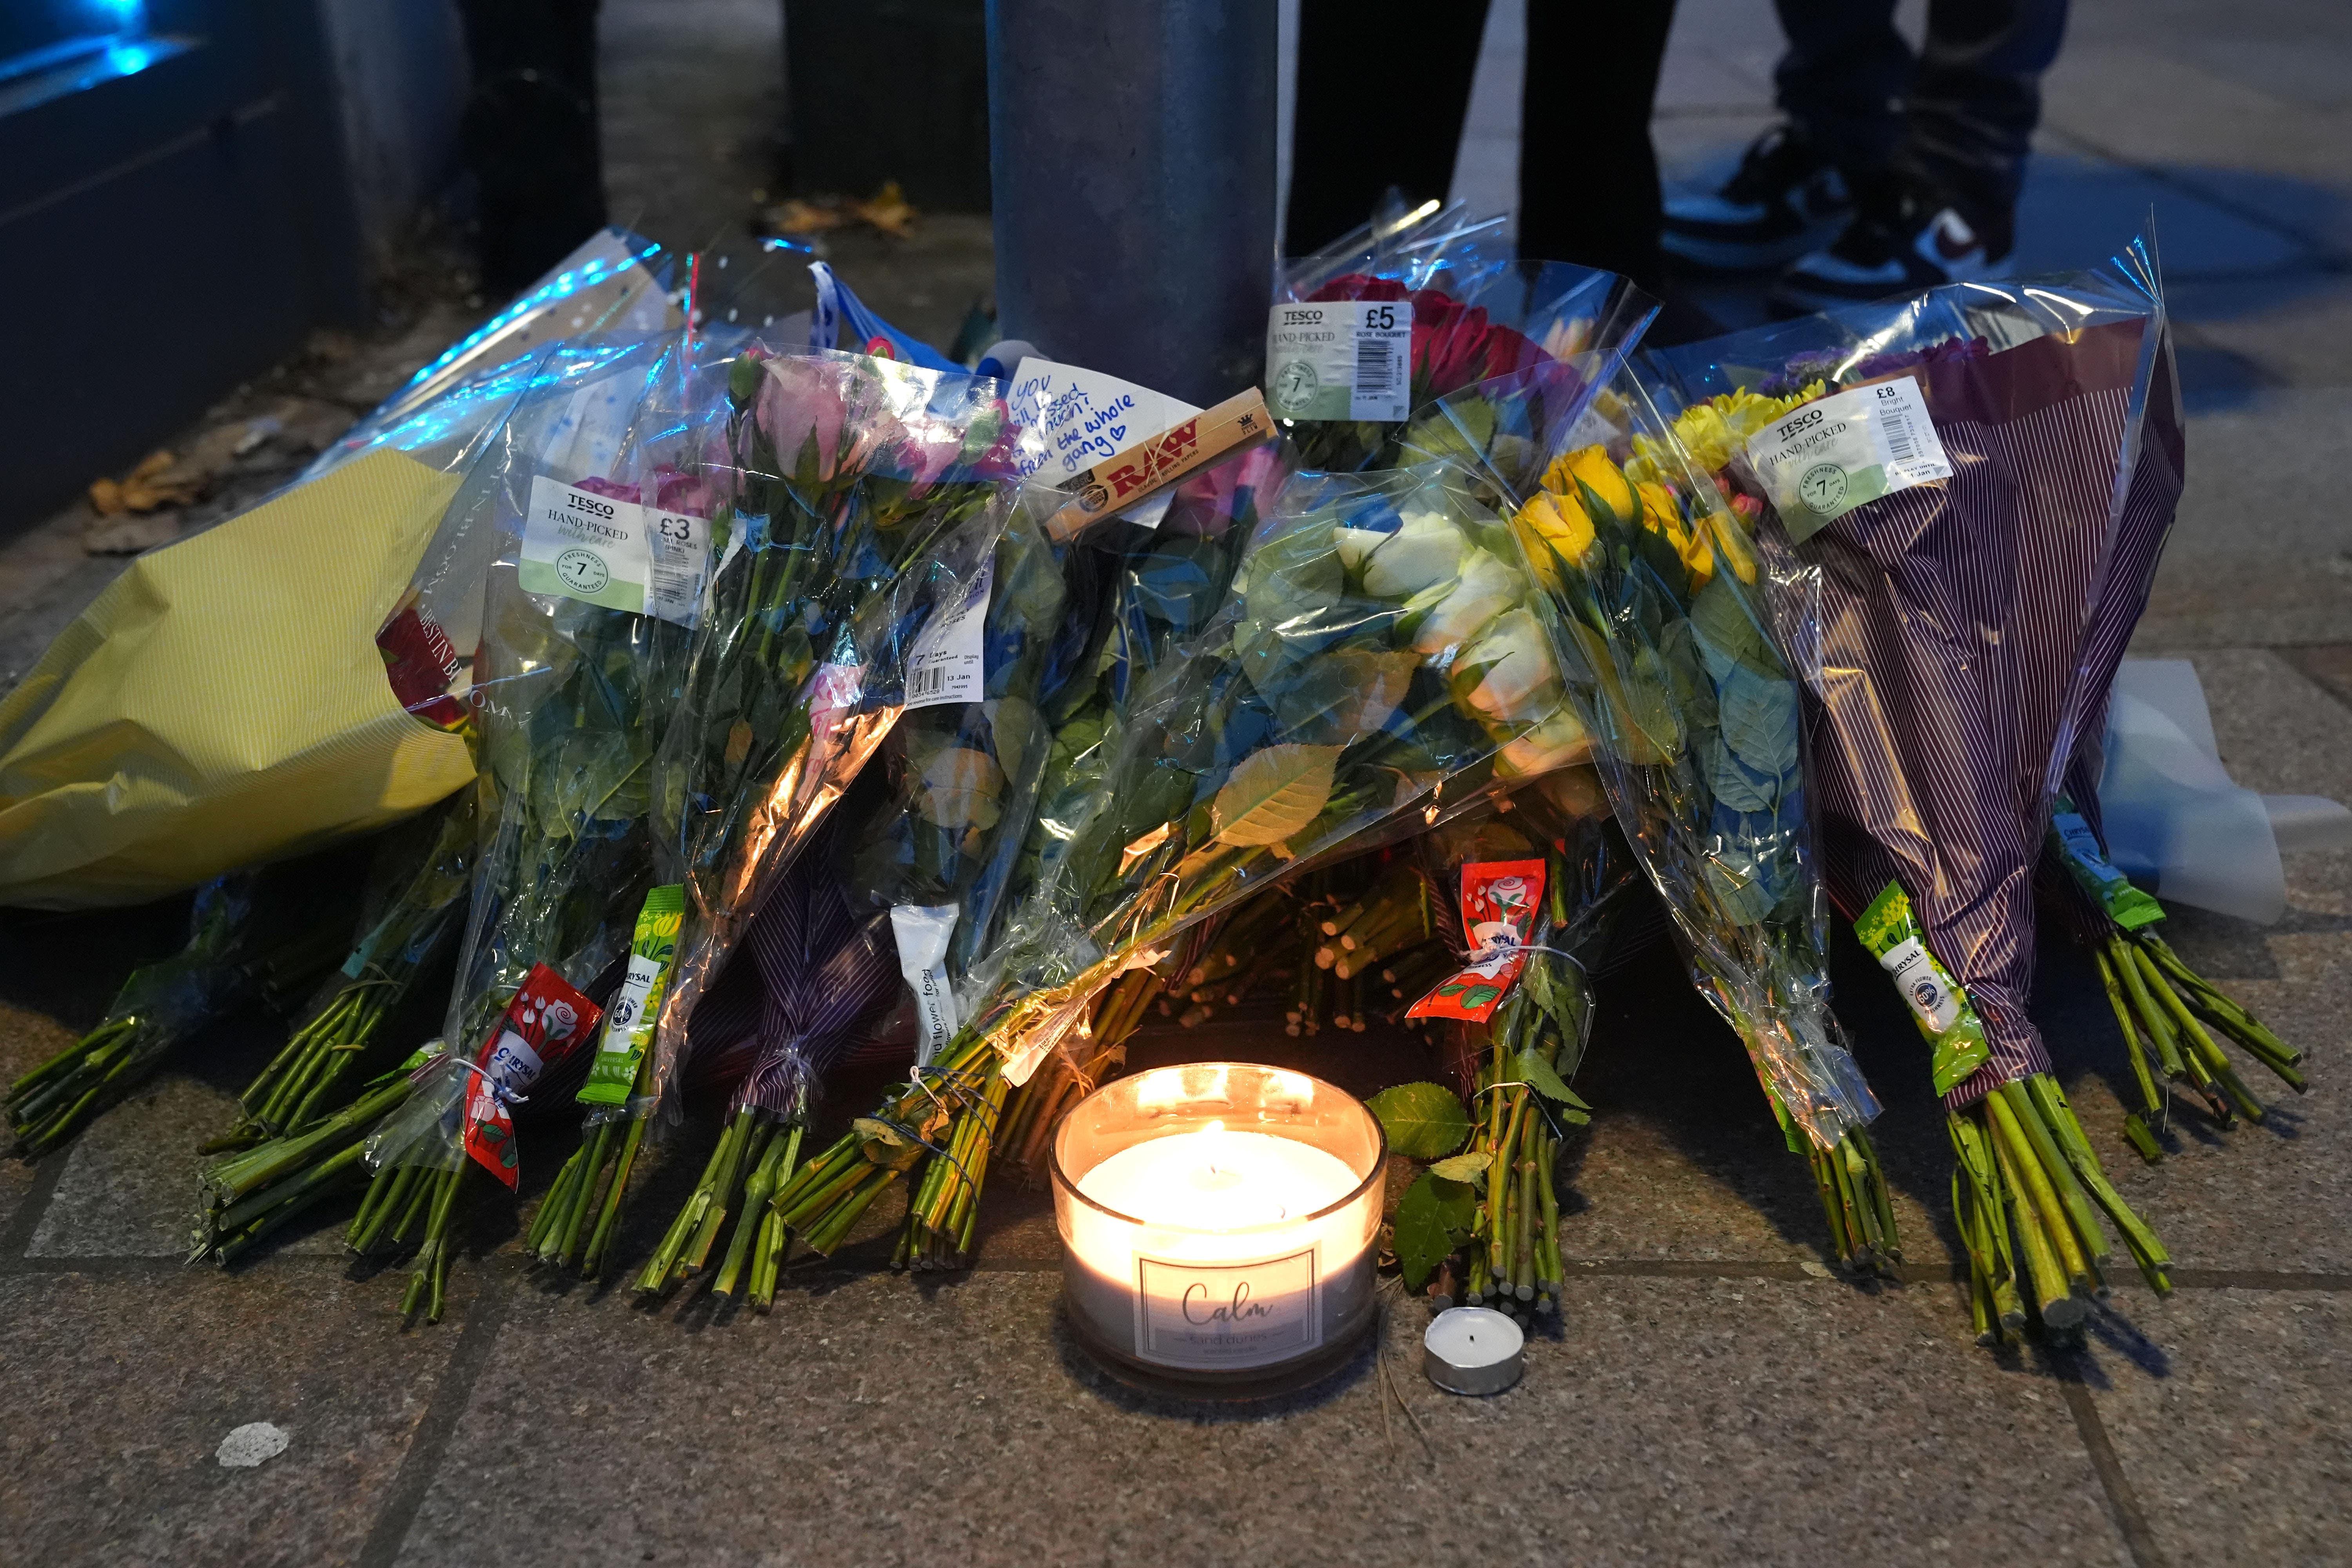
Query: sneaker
(1784, 199)
(1904, 244)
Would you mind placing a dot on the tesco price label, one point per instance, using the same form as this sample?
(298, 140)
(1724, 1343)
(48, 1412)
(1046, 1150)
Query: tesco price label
(1339, 359)
(602, 550)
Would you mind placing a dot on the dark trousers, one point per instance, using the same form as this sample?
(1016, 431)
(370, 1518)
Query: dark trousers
(1384, 86)
(1957, 116)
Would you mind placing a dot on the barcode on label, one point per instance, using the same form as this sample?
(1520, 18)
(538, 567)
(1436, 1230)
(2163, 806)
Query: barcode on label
(1375, 367)
(1899, 446)
(924, 682)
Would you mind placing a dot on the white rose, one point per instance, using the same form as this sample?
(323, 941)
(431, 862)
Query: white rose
(1522, 683)
(1556, 742)
(1423, 552)
(1355, 544)
(1485, 590)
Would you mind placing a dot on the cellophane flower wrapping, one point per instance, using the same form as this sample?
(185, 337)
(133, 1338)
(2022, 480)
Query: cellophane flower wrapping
(579, 667)
(1959, 633)
(1375, 653)
(1653, 602)
(430, 639)
(935, 825)
(614, 284)
(835, 473)
(1479, 312)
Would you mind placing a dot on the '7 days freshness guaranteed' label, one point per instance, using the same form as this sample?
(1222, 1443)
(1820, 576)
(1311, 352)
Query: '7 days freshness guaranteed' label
(1831, 455)
(616, 553)
(948, 662)
(1339, 359)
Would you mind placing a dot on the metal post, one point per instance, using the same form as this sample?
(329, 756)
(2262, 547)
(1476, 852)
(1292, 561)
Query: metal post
(1132, 164)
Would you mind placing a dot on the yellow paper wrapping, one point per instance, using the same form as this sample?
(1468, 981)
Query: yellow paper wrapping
(223, 702)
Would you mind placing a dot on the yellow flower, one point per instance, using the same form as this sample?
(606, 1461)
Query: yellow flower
(1559, 521)
(1714, 432)
(1590, 468)
(1662, 514)
(1732, 539)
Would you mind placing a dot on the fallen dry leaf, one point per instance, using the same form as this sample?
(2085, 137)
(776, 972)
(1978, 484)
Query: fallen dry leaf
(797, 216)
(887, 210)
(127, 535)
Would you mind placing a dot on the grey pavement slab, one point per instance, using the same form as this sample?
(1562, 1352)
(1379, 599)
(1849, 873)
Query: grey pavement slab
(2260, 551)
(2296, 326)
(921, 1425)
(27, 1039)
(121, 1384)
(691, 115)
(2127, 91)
(2242, 1452)
(129, 1184)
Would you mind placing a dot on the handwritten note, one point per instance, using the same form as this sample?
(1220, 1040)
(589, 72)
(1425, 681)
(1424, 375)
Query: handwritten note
(1073, 418)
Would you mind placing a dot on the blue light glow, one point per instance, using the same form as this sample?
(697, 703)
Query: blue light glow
(128, 57)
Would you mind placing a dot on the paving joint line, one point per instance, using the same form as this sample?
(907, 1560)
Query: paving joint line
(32, 1208)
(2282, 1279)
(2123, 1501)
(429, 1443)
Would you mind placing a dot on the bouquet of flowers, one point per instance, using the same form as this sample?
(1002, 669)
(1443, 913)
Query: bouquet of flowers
(1653, 597)
(603, 538)
(1948, 482)
(1388, 320)
(1373, 653)
(838, 471)
(2168, 1014)
(604, 545)
(929, 860)
(1134, 598)
(1535, 891)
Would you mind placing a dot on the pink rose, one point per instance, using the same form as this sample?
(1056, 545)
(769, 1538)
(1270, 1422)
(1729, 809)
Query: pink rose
(802, 398)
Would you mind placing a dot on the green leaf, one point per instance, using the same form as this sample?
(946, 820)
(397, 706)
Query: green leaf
(1468, 1167)
(1734, 880)
(1727, 634)
(1758, 717)
(1343, 695)
(1422, 1240)
(1539, 1076)
(1734, 783)
(1273, 794)
(1422, 1120)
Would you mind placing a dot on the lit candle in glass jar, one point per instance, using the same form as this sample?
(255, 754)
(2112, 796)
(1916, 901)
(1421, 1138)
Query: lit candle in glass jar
(1218, 1221)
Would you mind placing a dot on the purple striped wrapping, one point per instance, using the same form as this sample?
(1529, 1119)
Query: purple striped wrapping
(1952, 624)
(818, 971)
(2145, 521)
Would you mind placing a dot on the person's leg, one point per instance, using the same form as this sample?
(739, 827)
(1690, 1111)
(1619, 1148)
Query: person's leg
(1976, 98)
(1842, 80)
(1383, 89)
(1838, 86)
(1588, 174)
(1945, 209)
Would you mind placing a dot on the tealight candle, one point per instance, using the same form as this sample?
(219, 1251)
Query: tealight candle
(1473, 1349)
(1218, 1222)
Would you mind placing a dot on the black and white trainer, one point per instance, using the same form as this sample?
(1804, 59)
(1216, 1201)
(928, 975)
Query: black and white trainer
(1784, 199)
(1904, 242)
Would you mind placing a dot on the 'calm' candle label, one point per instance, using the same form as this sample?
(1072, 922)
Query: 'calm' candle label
(1223, 1315)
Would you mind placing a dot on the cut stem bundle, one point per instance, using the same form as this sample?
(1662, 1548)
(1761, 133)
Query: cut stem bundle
(2169, 1015)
